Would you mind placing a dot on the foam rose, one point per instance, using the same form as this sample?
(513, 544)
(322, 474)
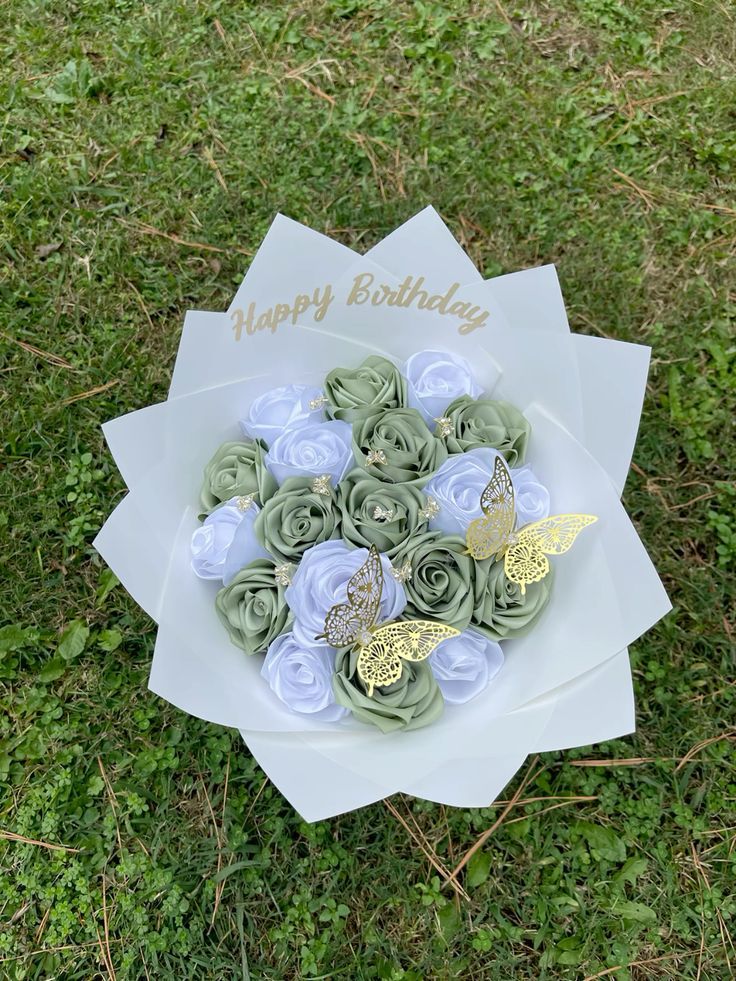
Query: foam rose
(464, 665)
(435, 379)
(281, 409)
(458, 484)
(311, 451)
(236, 469)
(226, 542)
(321, 581)
(301, 676)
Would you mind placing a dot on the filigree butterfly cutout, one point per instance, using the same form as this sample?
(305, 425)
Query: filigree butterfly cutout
(382, 648)
(525, 550)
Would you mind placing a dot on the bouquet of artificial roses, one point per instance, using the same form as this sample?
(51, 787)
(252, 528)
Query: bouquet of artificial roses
(382, 458)
(379, 546)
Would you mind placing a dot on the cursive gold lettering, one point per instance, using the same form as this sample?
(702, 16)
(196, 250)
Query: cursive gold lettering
(380, 297)
(359, 290)
(416, 293)
(400, 295)
(440, 300)
(264, 321)
(471, 325)
(322, 303)
(301, 305)
(238, 320)
(459, 309)
(281, 312)
(409, 292)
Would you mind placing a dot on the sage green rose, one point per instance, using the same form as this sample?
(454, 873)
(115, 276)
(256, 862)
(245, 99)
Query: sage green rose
(443, 579)
(295, 518)
(501, 610)
(253, 608)
(401, 436)
(485, 422)
(354, 392)
(412, 702)
(236, 470)
(376, 513)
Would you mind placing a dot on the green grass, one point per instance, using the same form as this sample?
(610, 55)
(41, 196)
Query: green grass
(595, 134)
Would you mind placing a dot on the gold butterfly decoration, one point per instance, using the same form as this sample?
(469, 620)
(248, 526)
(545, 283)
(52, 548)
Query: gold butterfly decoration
(382, 648)
(525, 550)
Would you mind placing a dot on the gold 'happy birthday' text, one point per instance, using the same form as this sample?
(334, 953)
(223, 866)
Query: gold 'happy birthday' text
(272, 318)
(411, 292)
(364, 290)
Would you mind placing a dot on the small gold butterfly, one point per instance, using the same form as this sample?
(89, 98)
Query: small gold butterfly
(382, 648)
(525, 550)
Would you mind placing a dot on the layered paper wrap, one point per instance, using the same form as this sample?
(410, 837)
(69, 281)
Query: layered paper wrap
(307, 304)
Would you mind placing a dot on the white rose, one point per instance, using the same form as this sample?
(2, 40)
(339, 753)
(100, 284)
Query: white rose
(281, 409)
(458, 484)
(464, 665)
(301, 676)
(321, 581)
(531, 497)
(311, 451)
(435, 379)
(226, 542)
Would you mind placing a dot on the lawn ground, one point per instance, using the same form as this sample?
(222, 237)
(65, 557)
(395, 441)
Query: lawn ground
(144, 150)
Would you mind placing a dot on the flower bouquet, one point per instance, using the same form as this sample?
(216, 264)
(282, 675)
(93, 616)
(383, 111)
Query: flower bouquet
(378, 524)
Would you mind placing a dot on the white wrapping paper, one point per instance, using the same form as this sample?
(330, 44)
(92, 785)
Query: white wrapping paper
(567, 683)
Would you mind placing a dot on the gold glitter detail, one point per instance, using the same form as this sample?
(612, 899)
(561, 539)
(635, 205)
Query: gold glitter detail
(403, 574)
(431, 509)
(321, 485)
(383, 514)
(245, 502)
(444, 426)
(282, 574)
(319, 402)
(375, 456)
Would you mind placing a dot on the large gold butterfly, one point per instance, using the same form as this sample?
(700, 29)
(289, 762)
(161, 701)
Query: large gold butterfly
(524, 551)
(384, 647)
